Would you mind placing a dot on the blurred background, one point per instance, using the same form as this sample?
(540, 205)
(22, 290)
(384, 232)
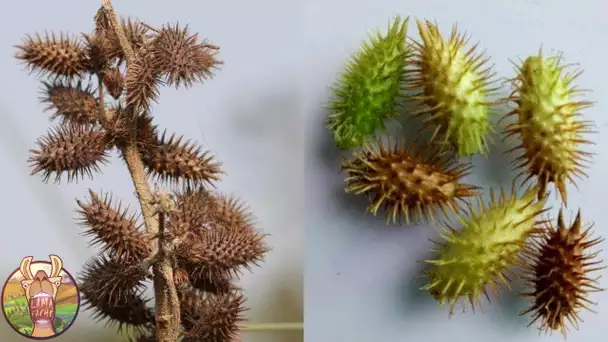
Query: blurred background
(362, 281)
(248, 116)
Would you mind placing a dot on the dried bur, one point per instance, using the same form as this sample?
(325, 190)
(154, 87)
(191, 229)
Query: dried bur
(452, 84)
(558, 271)
(190, 241)
(548, 122)
(478, 257)
(409, 184)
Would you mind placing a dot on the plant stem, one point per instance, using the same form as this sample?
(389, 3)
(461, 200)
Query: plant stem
(165, 292)
(261, 327)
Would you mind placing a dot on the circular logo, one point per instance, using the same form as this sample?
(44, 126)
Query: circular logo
(40, 299)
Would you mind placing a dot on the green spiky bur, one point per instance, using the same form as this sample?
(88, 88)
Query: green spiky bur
(455, 89)
(546, 106)
(478, 255)
(370, 89)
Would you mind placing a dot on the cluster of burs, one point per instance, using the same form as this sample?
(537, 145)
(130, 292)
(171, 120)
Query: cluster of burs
(449, 87)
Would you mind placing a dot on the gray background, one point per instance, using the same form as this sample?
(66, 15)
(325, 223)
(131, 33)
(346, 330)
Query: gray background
(248, 116)
(359, 283)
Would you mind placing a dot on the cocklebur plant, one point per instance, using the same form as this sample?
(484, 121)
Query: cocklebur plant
(192, 242)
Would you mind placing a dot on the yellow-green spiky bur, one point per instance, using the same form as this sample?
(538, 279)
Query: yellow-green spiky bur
(371, 87)
(548, 123)
(477, 256)
(453, 85)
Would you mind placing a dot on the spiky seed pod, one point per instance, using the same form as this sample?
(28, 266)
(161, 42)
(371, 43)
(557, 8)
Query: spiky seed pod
(71, 103)
(559, 274)
(453, 87)
(194, 276)
(231, 214)
(110, 279)
(479, 255)
(181, 58)
(199, 210)
(551, 133)
(213, 318)
(195, 210)
(102, 22)
(142, 82)
(129, 311)
(135, 31)
(220, 283)
(60, 56)
(407, 183)
(97, 52)
(69, 148)
(370, 89)
(114, 81)
(172, 160)
(111, 226)
(223, 251)
(124, 122)
(180, 276)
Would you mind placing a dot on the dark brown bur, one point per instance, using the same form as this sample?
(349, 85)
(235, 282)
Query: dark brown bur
(558, 273)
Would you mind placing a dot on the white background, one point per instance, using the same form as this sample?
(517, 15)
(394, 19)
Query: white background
(247, 115)
(359, 273)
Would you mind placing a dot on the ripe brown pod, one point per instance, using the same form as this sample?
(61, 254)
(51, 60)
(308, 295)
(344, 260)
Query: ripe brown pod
(407, 183)
(559, 274)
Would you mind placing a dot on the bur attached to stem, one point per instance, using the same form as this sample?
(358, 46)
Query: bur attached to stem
(190, 241)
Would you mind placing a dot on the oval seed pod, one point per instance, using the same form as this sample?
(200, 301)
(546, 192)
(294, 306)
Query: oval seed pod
(478, 256)
(559, 274)
(452, 84)
(371, 87)
(407, 183)
(548, 124)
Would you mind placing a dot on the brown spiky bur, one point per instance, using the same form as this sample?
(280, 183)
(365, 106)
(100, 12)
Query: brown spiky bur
(222, 251)
(111, 226)
(70, 148)
(181, 58)
(124, 123)
(205, 219)
(97, 48)
(174, 159)
(548, 123)
(113, 289)
(137, 35)
(57, 55)
(406, 182)
(142, 81)
(114, 81)
(71, 102)
(109, 279)
(453, 84)
(559, 273)
(213, 318)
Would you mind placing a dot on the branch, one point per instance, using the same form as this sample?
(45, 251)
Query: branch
(153, 210)
(120, 32)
